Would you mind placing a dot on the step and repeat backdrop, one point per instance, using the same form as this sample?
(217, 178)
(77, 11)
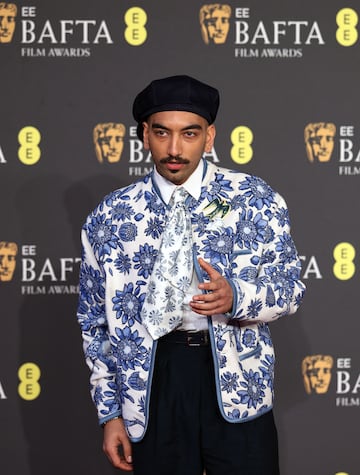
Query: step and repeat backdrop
(289, 75)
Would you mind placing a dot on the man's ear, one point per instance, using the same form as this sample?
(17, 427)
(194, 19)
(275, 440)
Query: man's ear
(210, 137)
(146, 135)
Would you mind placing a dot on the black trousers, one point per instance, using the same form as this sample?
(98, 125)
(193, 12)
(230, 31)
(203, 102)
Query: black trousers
(187, 434)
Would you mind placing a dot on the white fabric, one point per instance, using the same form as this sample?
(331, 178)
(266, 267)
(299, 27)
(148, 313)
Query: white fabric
(191, 321)
(192, 184)
(171, 277)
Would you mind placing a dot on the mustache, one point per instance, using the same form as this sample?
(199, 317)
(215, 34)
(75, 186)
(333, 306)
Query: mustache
(174, 160)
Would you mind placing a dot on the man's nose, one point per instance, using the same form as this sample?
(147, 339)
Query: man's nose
(174, 146)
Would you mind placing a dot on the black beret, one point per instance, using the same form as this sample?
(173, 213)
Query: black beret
(176, 93)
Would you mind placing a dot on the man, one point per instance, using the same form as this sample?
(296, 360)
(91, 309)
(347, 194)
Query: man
(194, 391)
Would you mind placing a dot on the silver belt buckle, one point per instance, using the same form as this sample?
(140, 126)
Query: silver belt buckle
(204, 337)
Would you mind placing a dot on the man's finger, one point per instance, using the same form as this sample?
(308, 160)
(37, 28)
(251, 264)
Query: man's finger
(213, 274)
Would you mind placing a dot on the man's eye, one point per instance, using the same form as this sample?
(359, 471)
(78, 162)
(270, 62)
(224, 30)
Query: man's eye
(161, 133)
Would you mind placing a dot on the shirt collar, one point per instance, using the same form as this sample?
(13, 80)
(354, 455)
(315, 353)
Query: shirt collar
(192, 184)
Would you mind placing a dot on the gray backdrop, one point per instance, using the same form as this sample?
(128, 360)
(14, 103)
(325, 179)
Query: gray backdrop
(282, 68)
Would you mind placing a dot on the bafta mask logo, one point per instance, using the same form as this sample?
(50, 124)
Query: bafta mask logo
(319, 141)
(316, 371)
(215, 23)
(109, 142)
(8, 252)
(8, 12)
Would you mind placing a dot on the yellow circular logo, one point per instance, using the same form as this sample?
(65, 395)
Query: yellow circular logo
(344, 255)
(346, 20)
(135, 20)
(29, 387)
(29, 151)
(241, 138)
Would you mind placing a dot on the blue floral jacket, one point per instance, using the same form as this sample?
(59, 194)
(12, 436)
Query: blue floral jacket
(241, 226)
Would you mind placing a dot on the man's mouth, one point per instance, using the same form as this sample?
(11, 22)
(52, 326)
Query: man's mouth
(174, 161)
(174, 164)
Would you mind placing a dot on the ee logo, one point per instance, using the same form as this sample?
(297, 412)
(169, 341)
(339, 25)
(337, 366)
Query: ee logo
(29, 151)
(344, 255)
(346, 20)
(241, 151)
(135, 20)
(29, 387)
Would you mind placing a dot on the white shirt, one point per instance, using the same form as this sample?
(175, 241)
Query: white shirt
(191, 321)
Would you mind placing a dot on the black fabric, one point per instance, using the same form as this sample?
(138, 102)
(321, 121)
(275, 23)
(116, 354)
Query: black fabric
(187, 433)
(182, 93)
(180, 337)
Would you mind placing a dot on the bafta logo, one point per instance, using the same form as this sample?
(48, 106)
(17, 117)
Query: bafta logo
(215, 23)
(319, 141)
(8, 252)
(316, 371)
(8, 13)
(109, 142)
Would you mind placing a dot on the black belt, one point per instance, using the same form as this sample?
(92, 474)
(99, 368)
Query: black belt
(200, 338)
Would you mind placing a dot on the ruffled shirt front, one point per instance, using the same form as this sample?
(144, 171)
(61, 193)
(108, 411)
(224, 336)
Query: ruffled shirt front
(191, 321)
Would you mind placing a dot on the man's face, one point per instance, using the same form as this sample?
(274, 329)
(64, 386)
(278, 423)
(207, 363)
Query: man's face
(322, 144)
(177, 141)
(111, 143)
(7, 264)
(7, 24)
(320, 376)
(218, 26)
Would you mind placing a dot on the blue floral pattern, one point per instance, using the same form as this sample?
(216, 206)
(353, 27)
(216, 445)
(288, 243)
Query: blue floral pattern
(127, 304)
(241, 227)
(253, 393)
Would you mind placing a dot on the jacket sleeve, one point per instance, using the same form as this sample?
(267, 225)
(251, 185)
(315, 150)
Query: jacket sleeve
(96, 343)
(270, 287)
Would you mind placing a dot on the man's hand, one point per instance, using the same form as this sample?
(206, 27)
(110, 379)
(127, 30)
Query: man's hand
(218, 297)
(115, 436)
